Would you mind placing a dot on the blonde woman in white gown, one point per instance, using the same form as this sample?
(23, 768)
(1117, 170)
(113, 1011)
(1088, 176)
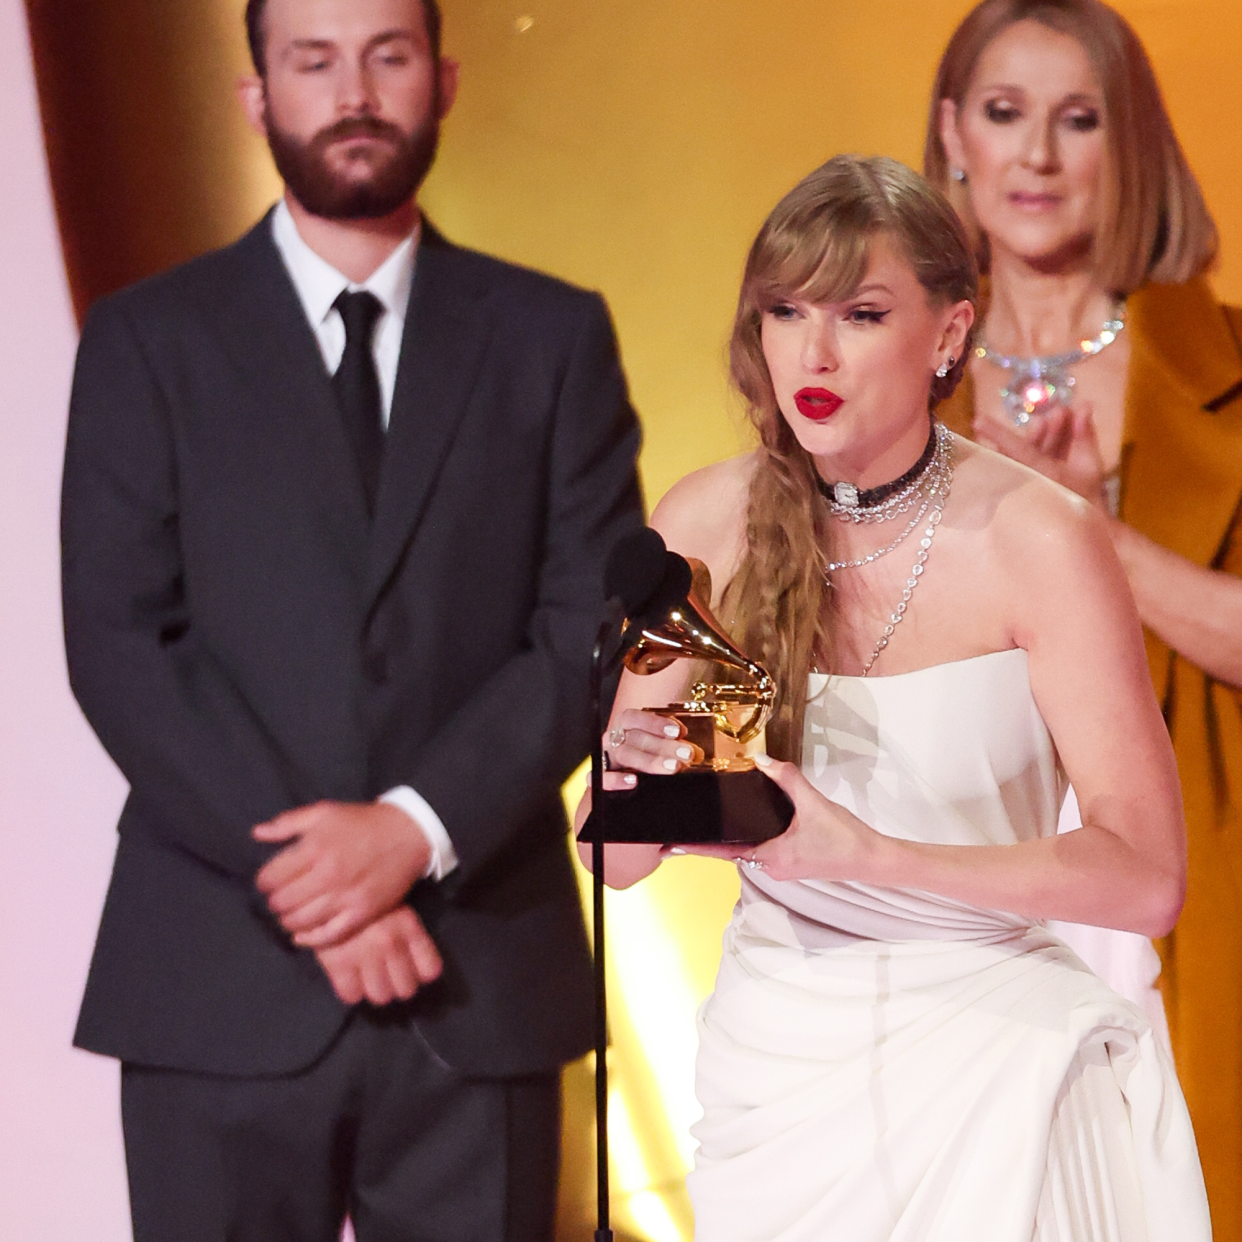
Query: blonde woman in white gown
(897, 1048)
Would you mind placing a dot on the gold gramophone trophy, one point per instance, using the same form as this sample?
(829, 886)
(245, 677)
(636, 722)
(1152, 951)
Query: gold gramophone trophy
(721, 796)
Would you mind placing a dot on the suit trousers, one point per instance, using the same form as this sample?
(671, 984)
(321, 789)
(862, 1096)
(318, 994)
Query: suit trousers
(379, 1128)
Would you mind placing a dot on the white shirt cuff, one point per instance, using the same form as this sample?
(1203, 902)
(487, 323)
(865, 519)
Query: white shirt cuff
(443, 856)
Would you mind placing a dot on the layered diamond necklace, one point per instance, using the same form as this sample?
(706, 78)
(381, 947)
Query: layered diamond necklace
(924, 488)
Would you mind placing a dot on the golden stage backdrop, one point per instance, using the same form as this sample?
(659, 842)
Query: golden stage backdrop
(631, 147)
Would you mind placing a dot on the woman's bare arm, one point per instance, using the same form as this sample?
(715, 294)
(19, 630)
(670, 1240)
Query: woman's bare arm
(1197, 611)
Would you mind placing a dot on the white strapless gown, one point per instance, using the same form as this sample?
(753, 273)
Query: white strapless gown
(880, 1064)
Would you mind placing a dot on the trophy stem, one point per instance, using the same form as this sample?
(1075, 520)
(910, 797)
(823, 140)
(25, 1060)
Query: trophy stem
(603, 1232)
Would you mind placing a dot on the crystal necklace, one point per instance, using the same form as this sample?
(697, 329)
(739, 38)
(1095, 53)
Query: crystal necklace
(937, 493)
(831, 567)
(916, 486)
(1037, 383)
(845, 498)
(888, 500)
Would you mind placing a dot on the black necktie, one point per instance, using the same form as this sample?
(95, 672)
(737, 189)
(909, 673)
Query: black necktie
(358, 388)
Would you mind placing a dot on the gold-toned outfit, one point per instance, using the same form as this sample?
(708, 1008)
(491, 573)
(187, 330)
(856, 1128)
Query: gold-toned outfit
(1181, 486)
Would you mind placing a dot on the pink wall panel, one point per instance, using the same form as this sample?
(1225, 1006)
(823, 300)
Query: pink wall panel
(61, 1167)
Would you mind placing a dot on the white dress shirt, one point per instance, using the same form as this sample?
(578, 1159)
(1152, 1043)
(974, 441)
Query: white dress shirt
(318, 285)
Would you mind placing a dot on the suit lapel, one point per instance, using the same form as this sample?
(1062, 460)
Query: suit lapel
(442, 348)
(1182, 442)
(265, 332)
(1180, 477)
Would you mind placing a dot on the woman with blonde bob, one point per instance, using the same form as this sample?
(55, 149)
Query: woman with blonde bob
(896, 1048)
(1047, 130)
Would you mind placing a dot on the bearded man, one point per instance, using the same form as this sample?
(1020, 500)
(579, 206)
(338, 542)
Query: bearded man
(335, 504)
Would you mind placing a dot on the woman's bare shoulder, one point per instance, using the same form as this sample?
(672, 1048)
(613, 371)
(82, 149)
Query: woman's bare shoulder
(1018, 505)
(704, 514)
(1042, 545)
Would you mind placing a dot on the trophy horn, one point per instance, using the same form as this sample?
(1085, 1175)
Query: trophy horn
(687, 630)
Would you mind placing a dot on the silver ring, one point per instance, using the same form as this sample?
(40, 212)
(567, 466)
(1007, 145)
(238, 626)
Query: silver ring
(753, 863)
(616, 736)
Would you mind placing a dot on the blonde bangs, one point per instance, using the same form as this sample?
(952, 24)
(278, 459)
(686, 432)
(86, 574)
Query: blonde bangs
(825, 264)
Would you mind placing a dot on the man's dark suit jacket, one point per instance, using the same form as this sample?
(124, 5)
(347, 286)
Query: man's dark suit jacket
(243, 641)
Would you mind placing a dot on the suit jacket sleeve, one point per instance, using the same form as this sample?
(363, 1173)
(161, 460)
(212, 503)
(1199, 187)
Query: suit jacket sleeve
(506, 751)
(201, 768)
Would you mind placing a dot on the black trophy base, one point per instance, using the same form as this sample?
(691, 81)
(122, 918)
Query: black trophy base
(694, 808)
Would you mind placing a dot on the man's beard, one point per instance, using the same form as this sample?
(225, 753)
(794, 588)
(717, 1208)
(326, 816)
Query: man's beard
(324, 192)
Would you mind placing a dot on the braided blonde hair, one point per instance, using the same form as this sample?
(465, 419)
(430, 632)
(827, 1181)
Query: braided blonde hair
(815, 246)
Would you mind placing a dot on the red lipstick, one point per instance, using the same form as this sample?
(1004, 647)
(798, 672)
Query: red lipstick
(817, 404)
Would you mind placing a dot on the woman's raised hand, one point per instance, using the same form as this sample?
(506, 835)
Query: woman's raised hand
(823, 842)
(1061, 444)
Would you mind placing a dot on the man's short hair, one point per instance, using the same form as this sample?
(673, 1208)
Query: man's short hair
(256, 9)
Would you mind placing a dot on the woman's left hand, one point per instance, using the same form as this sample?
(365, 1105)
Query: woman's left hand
(823, 842)
(1061, 444)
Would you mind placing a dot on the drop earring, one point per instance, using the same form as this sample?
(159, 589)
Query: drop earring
(945, 367)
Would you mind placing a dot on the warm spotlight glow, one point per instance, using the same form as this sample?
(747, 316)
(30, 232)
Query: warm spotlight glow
(660, 1001)
(652, 1216)
(663, 948)
(629, 1165)
(632, 1176)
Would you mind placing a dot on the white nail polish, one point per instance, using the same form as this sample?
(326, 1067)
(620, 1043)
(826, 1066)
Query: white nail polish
(676, 849)
(764, 761)
(685, 754)
(671, 730)
(629, 779)
(670, 765)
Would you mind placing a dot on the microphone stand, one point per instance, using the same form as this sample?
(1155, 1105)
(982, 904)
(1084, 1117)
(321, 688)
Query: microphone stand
(653, 584)
(603, 1232)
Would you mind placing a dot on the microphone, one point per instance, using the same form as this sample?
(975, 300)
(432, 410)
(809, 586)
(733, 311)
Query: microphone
(644, 577)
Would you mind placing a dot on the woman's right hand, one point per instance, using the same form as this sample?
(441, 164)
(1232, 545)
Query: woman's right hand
(637, 742)
(644, 741)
